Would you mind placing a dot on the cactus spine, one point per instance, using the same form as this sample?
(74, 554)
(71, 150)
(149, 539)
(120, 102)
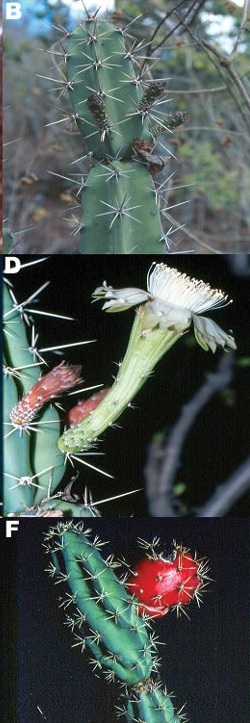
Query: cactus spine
(33, 464)
(114, 105)
(103, 618)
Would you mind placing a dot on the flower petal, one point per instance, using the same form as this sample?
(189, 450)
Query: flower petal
(119, 299)
(166, 316)
(209, 335)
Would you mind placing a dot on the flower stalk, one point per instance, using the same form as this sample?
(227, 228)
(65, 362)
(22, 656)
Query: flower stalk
(143, 353)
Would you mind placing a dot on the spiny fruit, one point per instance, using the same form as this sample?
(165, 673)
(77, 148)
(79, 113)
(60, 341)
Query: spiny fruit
(64, 376)
(160, 583)
(82, 409)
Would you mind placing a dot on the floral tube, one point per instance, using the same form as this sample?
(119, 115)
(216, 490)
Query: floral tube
(169, 307)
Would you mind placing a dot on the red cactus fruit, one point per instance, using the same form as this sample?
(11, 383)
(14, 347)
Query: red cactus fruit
(161, 583)
(83, 408)
(64, 376)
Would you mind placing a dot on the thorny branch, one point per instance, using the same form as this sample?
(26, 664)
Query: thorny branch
(224, 61)
(164, 454)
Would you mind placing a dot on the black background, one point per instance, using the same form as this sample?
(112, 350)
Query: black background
(205, 660)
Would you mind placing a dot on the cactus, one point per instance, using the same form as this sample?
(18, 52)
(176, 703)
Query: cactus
(114, 103)
(8, 240)
(33, 465)
(35, 453)
(106, 620)
(166, 311)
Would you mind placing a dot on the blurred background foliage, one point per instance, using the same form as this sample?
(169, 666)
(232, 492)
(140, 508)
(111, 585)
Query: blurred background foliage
(203, 50)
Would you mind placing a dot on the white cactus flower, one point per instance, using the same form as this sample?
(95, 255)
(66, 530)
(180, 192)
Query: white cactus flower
(171, 304)
(172, 301)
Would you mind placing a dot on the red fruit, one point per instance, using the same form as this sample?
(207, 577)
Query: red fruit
(82, 409)
(64, 376)
(160, 584)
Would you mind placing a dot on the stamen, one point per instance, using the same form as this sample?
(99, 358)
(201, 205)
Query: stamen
(181, 290)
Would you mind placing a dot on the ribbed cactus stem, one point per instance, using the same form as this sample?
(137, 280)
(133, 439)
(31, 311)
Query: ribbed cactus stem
(104, 91)
(103, 618)
(33, 464)
(20, 374)
(151, 704)
(16, 458)
(17, 354)
(121, 199)
(143, 353)
(106, 606)
(114, 103)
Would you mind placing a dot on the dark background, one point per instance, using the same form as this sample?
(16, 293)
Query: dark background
(219, 441)
(205, 661)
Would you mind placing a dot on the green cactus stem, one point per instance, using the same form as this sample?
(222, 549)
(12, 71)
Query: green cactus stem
(26, 472)
(103, 618)
(166, 311)
(106, 94)
(151, 704)
(33, 465)
(8, 240)
(121, 199)
(114, 103)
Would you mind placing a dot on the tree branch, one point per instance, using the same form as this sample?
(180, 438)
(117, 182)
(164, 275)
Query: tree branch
(242, 29)
(225, 61)
(227, 494)
(164, 453)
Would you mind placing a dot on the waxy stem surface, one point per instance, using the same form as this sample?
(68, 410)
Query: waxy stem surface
(143, 353)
